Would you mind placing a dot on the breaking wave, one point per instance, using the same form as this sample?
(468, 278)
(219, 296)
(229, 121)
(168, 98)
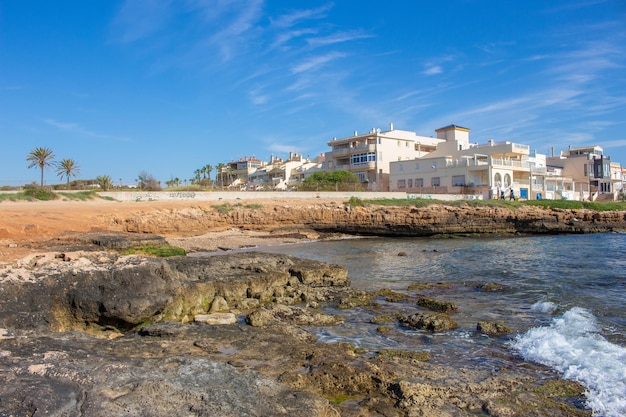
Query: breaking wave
(571, 345)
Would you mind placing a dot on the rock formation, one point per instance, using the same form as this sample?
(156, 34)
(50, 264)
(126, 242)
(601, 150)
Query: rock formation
(94, 333)
(379, 220)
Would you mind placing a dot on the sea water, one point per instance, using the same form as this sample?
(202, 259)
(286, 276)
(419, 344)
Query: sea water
(563, 297)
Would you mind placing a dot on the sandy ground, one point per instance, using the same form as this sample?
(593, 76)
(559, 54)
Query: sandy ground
(25, 225)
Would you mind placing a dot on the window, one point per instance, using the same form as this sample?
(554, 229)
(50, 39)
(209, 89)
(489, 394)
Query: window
(400, 167)
(401, 183)
(417, 166)
(419, 182)
(435, 182)
(458, 180)
(497, 179)
(586, 173)
(507, 180)
(409, 183)
(362, 158)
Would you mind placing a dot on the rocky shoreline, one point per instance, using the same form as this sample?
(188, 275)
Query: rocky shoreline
(85, 330)
(99, 334)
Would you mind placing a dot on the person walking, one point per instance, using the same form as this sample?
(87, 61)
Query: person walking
(502, 195)
(512, 195)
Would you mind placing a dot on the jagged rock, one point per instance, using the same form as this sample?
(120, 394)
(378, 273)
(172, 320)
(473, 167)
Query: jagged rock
(492, 328)
(120, 292)
(435, 322)
(382, 220)
(218, 304)
(436, 305)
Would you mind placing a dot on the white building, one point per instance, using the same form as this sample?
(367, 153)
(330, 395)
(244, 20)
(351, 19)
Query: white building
(457, 166)
(587, 173)
(368, 155)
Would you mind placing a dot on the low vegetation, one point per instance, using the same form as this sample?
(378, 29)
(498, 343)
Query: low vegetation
(423, 202)
(30, 194)
(80, 195)
(161, 251)
(43, 194)
(331, 181)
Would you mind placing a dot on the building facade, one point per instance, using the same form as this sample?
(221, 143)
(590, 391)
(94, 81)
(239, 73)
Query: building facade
(457, 166)
(368, 155)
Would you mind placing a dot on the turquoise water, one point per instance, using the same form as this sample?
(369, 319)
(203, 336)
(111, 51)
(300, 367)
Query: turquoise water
(564, 299)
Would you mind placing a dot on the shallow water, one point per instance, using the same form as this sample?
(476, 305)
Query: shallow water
(563, 299)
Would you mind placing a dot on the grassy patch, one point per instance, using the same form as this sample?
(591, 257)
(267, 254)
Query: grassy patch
(423, 202)
(80, 195)
(162, 251)
(41, 194)
(31, 194)
(338, 399)
(223, 208)
(254, 206)
(226, 207)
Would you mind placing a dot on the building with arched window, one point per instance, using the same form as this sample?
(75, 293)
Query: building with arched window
(460, 167)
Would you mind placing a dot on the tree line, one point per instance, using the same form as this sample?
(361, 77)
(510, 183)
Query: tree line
(42, 157)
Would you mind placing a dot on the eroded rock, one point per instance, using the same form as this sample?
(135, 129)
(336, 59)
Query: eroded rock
(434, 322)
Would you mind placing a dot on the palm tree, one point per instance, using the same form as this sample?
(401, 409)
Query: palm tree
(208, 169)
(41, 157)
(219, 175)
(104, 181)
(67, 168)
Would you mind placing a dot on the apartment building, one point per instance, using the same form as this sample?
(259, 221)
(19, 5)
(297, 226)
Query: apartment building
(236, 173)
(457, 166)
(368, 155)
(281, 174)
(591, 173)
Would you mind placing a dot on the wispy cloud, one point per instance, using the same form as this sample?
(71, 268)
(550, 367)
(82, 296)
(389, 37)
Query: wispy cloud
(339, 37)
(433, 70)
(434, 65)
(316, 62)
(77, 129)
(138, 19)
(283, 38)
(238, 22)
(257, 97)
(290, 19)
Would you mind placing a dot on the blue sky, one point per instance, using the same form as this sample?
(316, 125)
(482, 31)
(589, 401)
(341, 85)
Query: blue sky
(166, 87)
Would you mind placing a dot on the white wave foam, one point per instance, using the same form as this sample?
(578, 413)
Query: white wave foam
(545, 306)
(571, 345)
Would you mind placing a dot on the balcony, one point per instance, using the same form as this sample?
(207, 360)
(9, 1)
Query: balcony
(361, 148)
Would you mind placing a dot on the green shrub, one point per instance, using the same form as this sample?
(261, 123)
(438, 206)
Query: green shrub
(355, 202)
(223, 208)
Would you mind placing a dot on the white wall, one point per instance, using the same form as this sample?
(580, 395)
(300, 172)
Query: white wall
(243, 195)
